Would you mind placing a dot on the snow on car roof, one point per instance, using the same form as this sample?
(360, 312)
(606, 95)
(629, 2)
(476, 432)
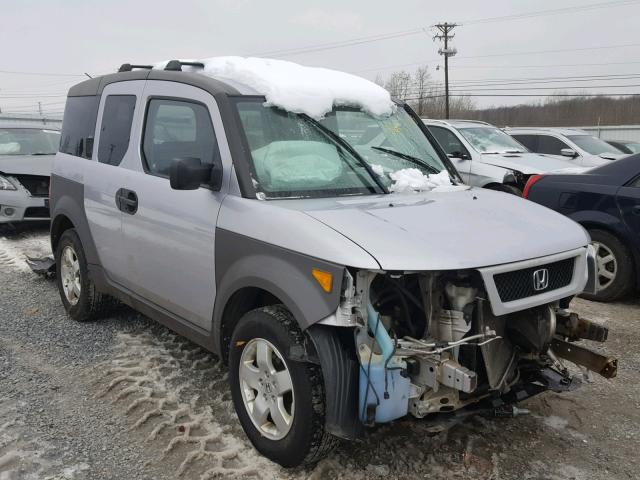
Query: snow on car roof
(296, 88)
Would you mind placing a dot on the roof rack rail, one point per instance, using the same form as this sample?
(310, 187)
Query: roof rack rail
(127, 67)
(176, 65)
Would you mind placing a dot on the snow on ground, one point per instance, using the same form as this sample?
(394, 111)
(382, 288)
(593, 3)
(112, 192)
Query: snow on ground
(13, 251)
(146, 377)
(297, 88)
(413, 180)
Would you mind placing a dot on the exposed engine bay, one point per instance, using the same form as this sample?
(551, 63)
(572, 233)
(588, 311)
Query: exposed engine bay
(430, 342)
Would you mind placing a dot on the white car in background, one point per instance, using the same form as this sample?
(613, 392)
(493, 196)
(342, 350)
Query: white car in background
(26, 154)
(487, 157)
(579, 147)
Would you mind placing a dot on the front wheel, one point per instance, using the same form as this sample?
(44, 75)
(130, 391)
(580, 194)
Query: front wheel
(280, 402)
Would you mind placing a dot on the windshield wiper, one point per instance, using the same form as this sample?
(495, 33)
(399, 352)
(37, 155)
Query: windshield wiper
(42, 153)
(347, 146)
(410, 158)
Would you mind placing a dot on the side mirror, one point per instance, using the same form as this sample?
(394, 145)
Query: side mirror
(568, 152)
(460, 155)
(190, 173)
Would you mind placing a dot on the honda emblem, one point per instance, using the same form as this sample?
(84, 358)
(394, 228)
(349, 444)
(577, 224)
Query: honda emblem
(540, 279)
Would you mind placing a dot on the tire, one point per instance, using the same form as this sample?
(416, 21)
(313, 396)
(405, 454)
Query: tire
(506, 189)
(621, 267)
(87, 303)
(305, 440)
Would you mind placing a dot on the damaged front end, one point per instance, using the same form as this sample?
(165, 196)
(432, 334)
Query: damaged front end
(432, 342)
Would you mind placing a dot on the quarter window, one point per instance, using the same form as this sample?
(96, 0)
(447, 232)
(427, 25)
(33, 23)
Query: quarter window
(115, 130)
(177, 129)
(78, 126)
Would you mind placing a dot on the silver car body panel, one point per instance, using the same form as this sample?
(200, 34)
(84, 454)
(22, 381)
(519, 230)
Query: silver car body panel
(416, 232)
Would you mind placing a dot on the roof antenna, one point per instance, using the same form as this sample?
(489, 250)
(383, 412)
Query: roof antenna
(88, 75)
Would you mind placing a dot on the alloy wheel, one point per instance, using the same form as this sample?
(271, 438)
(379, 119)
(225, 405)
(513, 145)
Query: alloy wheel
(607, 265)
(267, 388)
(70, 275)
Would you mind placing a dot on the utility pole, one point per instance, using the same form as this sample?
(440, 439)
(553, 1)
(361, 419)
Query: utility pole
(444, 35)
(40, 108)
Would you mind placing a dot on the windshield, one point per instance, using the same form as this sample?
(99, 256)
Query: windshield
(593, 145)
(491, 140)
(349, 152)
(28, 141)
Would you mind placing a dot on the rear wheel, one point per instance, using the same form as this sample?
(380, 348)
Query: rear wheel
(80, 298)
(614, 267)
(279, 401)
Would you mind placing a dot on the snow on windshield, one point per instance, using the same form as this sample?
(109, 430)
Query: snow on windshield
(296, 88)
(413, 180)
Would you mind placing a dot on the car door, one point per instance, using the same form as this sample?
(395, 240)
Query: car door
(455, 150)
(628, 198)
(170, 237)
(104, 175)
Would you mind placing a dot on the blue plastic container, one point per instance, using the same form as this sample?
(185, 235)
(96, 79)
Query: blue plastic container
(398, 388)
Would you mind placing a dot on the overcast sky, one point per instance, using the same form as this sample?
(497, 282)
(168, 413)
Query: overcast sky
(70, 37)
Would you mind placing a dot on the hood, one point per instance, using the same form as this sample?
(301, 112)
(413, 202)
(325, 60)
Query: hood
(527, 163)
(450, 230)
(26, 164)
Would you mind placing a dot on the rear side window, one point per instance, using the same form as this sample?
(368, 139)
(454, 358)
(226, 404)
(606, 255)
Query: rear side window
(177, 129)
(79, 125)
(550, 145)
(529, 141)
(115, 129)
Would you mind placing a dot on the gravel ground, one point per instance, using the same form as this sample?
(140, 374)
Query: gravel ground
(126, 398)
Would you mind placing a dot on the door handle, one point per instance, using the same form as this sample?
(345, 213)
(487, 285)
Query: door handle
(127, 201)
(635, 210)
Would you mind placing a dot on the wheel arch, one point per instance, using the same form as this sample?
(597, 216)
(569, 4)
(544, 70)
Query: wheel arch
(613, 226)
(59, 225)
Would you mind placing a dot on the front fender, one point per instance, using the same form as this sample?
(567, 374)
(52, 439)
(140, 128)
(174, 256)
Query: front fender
(245, 262)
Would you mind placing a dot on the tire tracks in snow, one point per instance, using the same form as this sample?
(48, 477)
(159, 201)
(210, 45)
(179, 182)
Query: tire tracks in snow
(151, 378)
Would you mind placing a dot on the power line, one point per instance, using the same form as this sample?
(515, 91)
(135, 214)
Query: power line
(334, 45)
(561, 50)
(414, 31)
(557, 11)
(41, 74)
(530, 95)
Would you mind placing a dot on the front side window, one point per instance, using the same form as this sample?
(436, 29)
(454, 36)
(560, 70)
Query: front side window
(177, 129)
(449, 142)
(593, 145)
(491, 140)
(550, 145)
(115, 129)
(28, 141)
